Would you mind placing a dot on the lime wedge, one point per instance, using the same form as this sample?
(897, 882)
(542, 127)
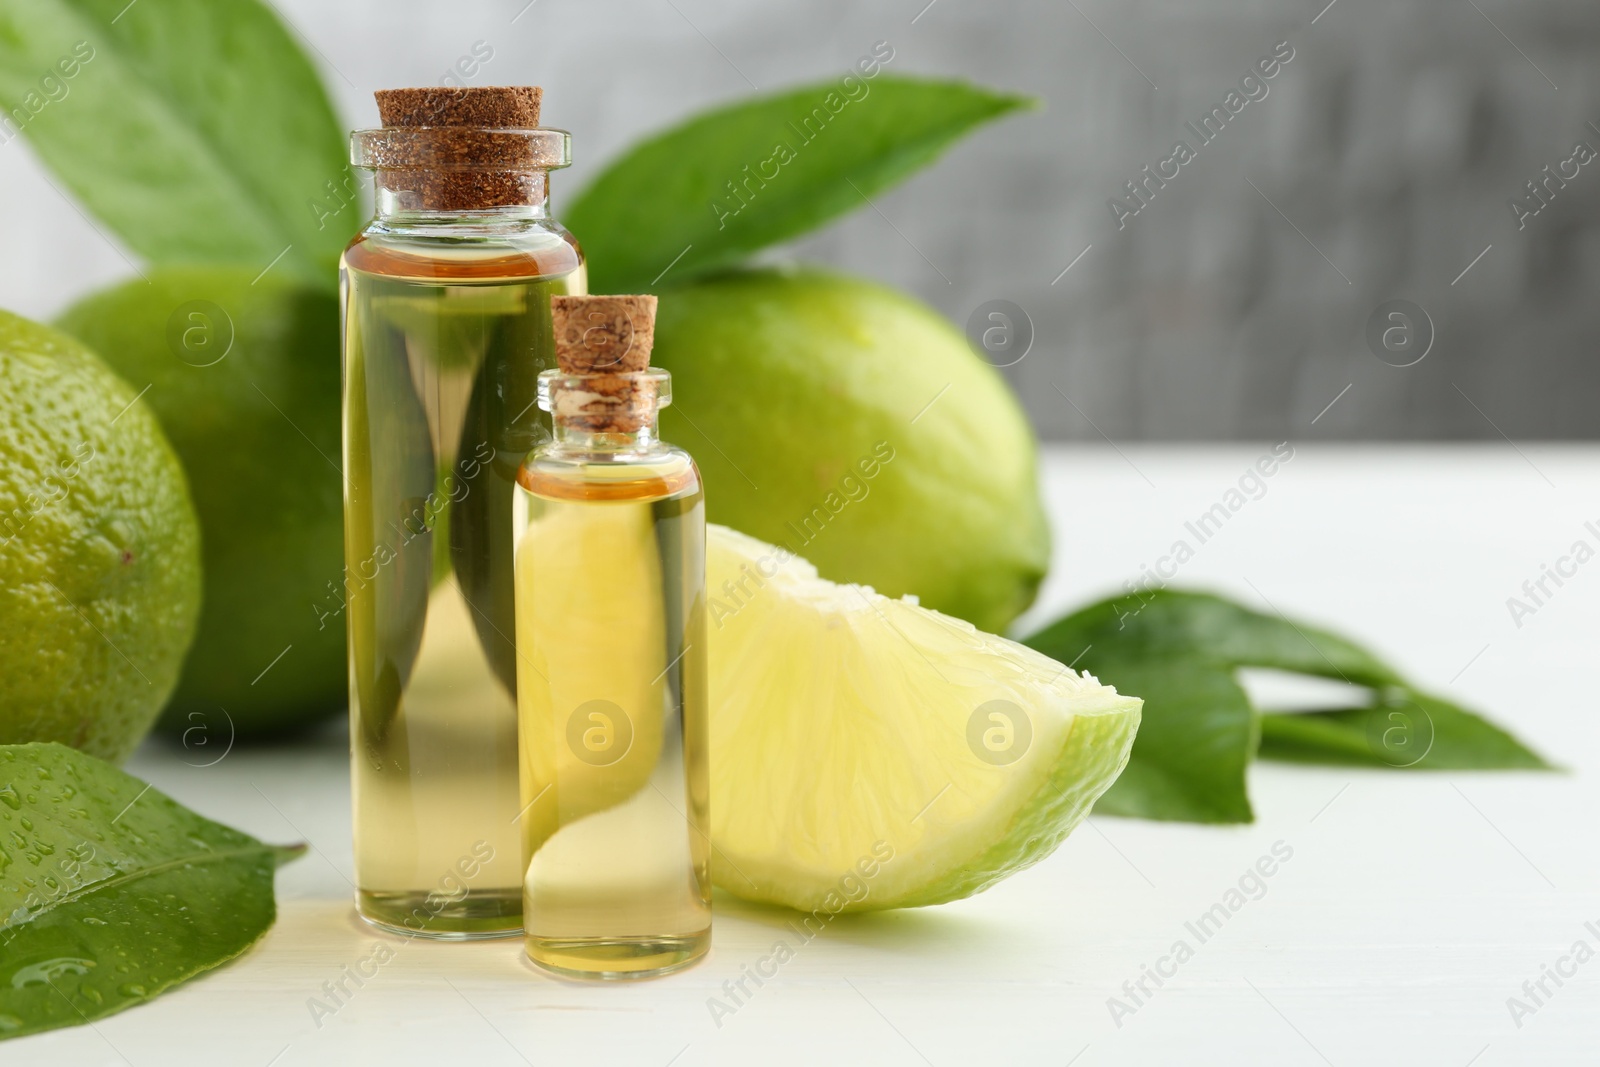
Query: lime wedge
(868, 753)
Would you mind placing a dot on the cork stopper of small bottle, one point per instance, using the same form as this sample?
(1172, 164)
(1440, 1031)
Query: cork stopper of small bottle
(605, 341)
(467, 167)
(501, 107)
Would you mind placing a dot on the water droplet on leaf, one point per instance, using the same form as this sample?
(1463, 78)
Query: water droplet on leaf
(48, 971)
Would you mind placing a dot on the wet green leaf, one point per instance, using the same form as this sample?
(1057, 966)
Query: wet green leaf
(111, 892)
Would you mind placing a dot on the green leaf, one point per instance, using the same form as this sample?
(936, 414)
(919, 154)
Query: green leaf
(198, 131)
(1198, 732)
(1201, 734)
(1402, 729)
(812, 154)
(1170, 622)
(112, 892)
(1180, 651)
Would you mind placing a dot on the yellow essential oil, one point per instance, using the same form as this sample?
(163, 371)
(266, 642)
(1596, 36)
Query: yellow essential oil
(611, 682)
(446, 329)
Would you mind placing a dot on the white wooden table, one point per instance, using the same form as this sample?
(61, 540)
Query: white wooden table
(1413, 907)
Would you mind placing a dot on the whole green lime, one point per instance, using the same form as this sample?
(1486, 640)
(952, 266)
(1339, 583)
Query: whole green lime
(99, 550)
(244, 374)
(855, 426)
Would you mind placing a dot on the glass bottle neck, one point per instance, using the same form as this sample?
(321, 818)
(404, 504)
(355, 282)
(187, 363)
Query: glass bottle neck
(612, 415)
(647, 438)
(481, 178)
(397, 207)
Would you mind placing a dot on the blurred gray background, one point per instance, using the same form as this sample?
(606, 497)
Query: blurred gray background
(1379, 166)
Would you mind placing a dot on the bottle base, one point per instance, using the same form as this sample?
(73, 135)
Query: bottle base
(481, 915)
(619, 959)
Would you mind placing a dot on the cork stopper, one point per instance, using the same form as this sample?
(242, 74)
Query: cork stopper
(461, 149)
(603, 334)
(488, 106)
(603, 343)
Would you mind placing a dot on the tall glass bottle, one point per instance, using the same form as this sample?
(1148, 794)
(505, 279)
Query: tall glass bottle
(446, 330)
(610, 603)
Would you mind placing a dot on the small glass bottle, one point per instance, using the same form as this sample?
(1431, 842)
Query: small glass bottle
(610, 602)
(446, 298)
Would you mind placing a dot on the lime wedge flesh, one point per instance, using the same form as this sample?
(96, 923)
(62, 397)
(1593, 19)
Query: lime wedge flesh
(869, 753)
